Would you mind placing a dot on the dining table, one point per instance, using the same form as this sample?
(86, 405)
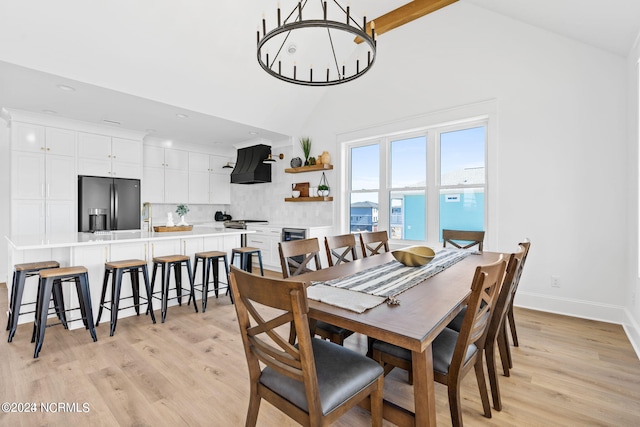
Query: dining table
(419, 315)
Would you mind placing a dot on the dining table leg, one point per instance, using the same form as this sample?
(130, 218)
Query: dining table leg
(423, 387)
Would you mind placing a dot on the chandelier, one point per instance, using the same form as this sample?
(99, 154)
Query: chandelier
(328, 37)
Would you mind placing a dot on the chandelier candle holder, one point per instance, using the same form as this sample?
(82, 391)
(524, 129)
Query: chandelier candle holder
(326, 38)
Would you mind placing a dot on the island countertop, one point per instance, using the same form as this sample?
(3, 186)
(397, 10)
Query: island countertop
(48, 241)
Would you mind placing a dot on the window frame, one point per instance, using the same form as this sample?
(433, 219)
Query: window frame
(433, 185)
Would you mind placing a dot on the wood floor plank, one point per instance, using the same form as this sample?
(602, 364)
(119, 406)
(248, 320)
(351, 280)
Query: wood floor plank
(191, 370)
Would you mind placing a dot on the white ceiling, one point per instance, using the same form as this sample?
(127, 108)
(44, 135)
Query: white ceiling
(141, 63)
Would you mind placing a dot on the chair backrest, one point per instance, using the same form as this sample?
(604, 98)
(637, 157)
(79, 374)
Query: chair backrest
(260, 336)
(485, 286)
(295, 256)
(505, 296)
(463, 239)
(374, 243)
(340, 247)
(525, 246)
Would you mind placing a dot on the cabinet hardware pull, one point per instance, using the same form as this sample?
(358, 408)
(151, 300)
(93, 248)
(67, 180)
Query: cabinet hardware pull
(152, 250)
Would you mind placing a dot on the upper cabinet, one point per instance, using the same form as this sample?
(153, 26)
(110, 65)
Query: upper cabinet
(165, 175)
(208, 181)
(102, 155)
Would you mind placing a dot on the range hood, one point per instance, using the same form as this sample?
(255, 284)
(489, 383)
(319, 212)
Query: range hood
(249, 167)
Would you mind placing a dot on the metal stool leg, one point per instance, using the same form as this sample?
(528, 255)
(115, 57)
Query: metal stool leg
(145, 276)
(192, 287)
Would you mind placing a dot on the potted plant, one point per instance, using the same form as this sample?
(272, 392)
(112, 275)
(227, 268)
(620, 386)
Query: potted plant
(323, 190)
(182, 210)
(305, 143)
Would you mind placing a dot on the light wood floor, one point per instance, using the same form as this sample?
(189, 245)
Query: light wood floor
(192, 371)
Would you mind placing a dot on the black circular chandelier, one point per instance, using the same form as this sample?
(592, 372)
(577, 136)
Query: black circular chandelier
(329, 28)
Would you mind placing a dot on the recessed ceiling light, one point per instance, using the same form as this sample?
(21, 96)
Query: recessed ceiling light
(49, 112)
(253, 133)
(181, 116)
(66, 88)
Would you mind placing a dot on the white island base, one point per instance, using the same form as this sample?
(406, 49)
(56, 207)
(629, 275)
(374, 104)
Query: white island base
(93, 250)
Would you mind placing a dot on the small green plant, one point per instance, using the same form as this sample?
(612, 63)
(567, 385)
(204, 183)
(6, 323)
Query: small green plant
(182, 210)
(323, 187)
(305, 143)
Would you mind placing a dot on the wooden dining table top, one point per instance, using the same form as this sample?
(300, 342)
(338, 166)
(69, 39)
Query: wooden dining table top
(424, 309)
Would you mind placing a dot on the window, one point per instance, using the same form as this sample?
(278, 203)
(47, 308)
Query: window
(415, 184)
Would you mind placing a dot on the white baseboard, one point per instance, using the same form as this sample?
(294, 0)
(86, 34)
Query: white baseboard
(585, 310)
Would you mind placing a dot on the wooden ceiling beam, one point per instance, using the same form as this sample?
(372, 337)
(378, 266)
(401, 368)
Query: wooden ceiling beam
(407, 13)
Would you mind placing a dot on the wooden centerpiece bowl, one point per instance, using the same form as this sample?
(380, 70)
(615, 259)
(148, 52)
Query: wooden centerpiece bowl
(414, 256)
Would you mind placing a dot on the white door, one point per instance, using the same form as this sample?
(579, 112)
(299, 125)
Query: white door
(153, 185)
(28, 175)
(27, 217)
(94, 146)
(198, 187)
(61, 142)
(61, 217)
(61, 178)
(176, 186)
(28, 137)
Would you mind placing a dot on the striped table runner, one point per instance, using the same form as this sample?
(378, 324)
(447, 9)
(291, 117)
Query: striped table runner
(371, 287)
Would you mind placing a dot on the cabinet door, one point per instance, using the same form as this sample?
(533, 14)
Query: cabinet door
(27, 217)
(27, 175)
(61, 217)
(198, 162)
(94, 167)
(153, 185)
(126, 150)
(176, 159)
(153, 156)
(220, 188)
(61, 178)
(199, 187)
(92, 146)
(61, 142)
(27, 137)
(176, 185)
(126, 170)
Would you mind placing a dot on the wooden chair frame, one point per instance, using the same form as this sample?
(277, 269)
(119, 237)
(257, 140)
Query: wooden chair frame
(526, 245)
(454, 237)
(308, 248)
(367, 240)
(346, 242)
(264, 345)
(486, 283)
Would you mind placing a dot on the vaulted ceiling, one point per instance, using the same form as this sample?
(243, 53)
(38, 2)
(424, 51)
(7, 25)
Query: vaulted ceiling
(141, 63)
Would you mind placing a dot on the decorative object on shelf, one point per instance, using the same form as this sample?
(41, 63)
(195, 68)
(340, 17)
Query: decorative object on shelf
(305, 143)
(323, 38)
(295, 194)
(270, 159)
(323, 187)
(170, 219)
(296, 162)
(324, 158)
(312, 161)
(303, 188)
(313, 191)
(182, 210)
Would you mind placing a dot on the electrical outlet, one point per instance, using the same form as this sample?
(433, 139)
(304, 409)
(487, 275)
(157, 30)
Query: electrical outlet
(555, 281)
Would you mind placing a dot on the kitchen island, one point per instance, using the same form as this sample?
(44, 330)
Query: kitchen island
(92, 250)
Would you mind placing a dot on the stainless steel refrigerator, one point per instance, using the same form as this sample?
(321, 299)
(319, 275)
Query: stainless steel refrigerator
(108, 204)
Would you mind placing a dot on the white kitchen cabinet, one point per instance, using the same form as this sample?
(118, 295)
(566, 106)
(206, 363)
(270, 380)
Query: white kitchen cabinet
(165, 175)
(266, 238)
(102, 155)
(43, 184)
(198, 178)
(219, 181)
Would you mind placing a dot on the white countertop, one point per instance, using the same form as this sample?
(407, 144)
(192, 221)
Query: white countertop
(81, 239)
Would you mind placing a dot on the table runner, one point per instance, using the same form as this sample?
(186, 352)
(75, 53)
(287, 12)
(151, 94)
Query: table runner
(369, 288)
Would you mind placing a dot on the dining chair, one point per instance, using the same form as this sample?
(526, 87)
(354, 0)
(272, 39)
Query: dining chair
(455, 353)
(463, 239)
(340, 247)
(315, 381)
(294, 257)
(526, 244)
(374, 243)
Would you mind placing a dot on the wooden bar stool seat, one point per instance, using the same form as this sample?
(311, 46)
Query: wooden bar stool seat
(210, 263)
(166, 263)
(246, 258)
(20, 274)
(117, 269)
(79, 276)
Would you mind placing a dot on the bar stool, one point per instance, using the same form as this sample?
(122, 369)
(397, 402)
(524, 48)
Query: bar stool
(246, 258)
(76, 274)
(166, 262)
(117, 269)
(210, 261)
(20, 274)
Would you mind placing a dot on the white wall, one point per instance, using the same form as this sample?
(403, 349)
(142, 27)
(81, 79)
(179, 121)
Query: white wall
(5, 196)
(561, 135)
